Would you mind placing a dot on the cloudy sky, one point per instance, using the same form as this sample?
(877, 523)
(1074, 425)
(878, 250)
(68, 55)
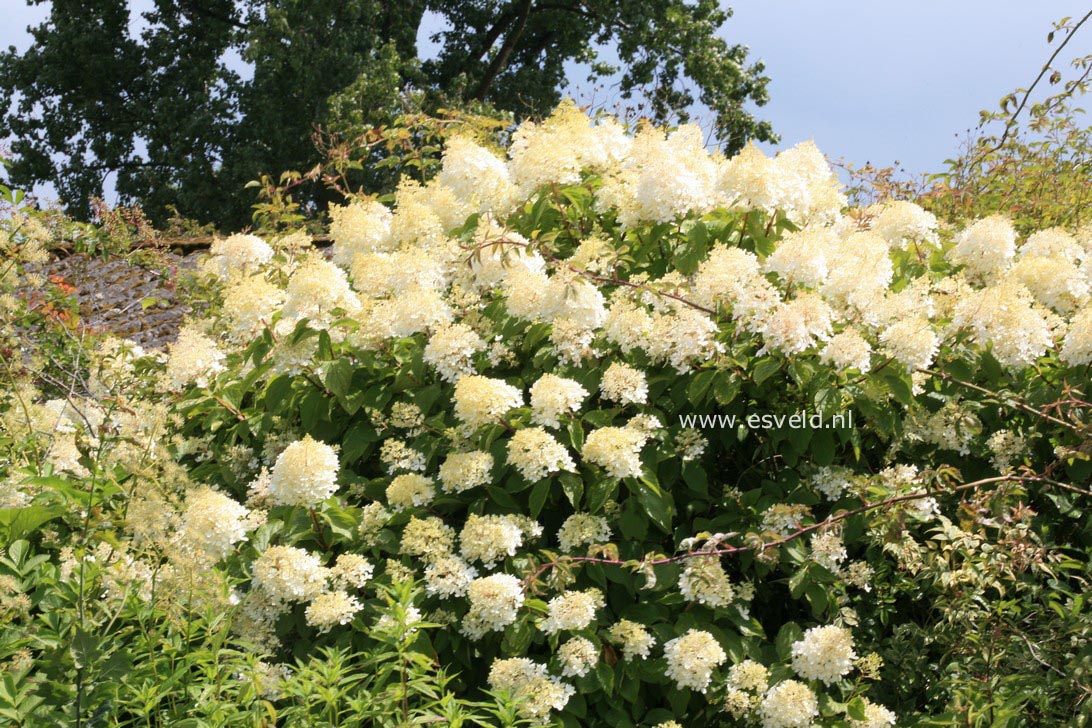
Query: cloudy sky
(869, 81)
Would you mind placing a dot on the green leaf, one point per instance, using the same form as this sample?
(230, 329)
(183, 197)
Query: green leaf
(726, 387)
(339, 375)
(657, 503)
(573, 487)
(20, 522)
(855, 709)
(699, 385)
(764, 369)
(539, 494)
(313, 409)
(790, 632)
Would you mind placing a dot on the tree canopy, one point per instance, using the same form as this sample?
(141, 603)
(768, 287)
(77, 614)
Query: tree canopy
(155, 100)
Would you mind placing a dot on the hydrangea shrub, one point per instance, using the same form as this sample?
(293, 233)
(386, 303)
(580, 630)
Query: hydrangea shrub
(661, 435)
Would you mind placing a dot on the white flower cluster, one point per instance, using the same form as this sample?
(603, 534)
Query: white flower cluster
(494, 603)
(465, 470)
(481, 400)
(535, 454)
(428, 538)
(704, 581)
(536, 690)
(692, 658)
(582, 529)
(237, 254)
(193, 359)
(572, 611)
(577, 657)
(331, 609)
(449, 576)
(305, 474)
(825, 654)
(789, 704)
(214, 523)
(489, 539)
(409, 490)
(634, 639)
(552, 397)
(289, 574)
(624, 384)
(616, 449)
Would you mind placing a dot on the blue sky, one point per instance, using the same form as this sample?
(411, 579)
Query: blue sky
(868, 81)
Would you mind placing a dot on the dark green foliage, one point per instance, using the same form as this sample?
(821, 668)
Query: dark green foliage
(156, 106)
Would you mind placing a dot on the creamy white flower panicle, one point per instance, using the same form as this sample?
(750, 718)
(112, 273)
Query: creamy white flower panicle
(802, 256)
(331, 609)
(489, 539)
(789, 704)
(249, 304)
(424, 214)
(876, 716)
(623, 384)
(665, 176)
(396, 455)
(1077, 345)
(305, 474)
(409, 490)
(428, 538)
(379, 275)
(449, 576)
(481, 400)
(494, 604)
(413, 310)
(214, 522)
(451, 349)
(628, 325)
(704, 581)
(750, 676)
(859, 274)
(462, 471)
(1053, 281)
(289, 574)
(616, 449)
(560, 147)
(692, 658)
(986, 248)
(477, 176)
(797, 325)
(573, 610)
(815, 194)
(193, 359)
(237, 254)
(583, 529)
(1007, 448)
(351, 571)
(732, 278)
(536, 690)
(825, 654)
(316, 290)
(553, 396)
(1004, 318)
(634, 639)
(534, 453)
(828, 550)
(362, 226)
(912, 342)
(752, 181)
(848, 350)
(902, 223)
(1053, 243)
(577, 657)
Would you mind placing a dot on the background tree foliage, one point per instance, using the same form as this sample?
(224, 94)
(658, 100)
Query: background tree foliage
(163, 111)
